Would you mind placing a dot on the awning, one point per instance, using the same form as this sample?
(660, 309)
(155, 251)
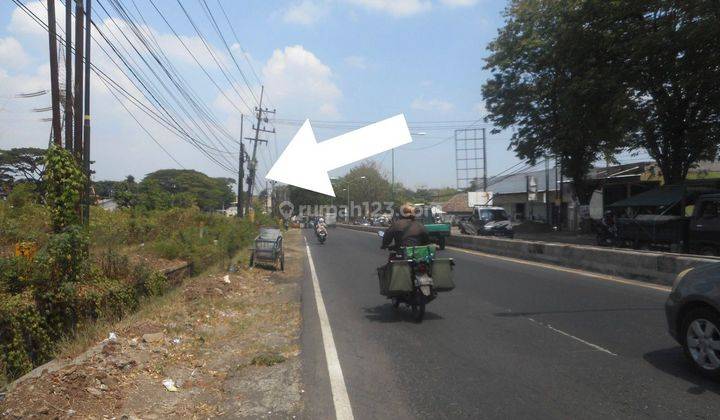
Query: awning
(659, 197)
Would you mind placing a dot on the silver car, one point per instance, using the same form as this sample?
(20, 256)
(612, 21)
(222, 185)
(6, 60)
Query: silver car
(693, 315)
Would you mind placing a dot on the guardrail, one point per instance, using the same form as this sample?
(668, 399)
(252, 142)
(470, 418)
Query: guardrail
(653, 267)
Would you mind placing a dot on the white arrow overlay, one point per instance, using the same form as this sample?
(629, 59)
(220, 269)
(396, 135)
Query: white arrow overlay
(305, 163)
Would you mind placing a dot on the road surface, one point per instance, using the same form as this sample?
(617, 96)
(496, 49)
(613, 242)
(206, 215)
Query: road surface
(511, 341)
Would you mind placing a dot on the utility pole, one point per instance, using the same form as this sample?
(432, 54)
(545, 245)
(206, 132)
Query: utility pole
(54, 81)
(241, 169)
(252, 166)
(392, 191)
(548, 212)
(560, 189)
(78, 96)
(68, 77)
(86, 119)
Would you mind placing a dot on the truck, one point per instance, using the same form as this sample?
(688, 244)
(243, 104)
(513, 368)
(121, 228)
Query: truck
(430, 217)
(487, 221)
(671, 218)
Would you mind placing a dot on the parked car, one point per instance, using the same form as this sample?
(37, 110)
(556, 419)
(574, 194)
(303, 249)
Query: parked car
(693, 316)
(666, 226)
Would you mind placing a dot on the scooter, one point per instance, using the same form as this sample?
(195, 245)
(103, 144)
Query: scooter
(321, 235)
(420, 261)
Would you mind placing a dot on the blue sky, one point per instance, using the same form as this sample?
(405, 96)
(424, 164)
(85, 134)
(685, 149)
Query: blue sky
(327, 60)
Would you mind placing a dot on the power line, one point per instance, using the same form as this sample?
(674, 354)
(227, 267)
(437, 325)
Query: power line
(112, 83)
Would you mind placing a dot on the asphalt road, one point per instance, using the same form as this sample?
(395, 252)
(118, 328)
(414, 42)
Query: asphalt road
(511, 341)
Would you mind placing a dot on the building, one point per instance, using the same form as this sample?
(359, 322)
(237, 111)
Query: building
(457, 207)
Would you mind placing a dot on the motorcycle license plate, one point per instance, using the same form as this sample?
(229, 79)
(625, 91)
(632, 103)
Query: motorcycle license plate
(424, 280)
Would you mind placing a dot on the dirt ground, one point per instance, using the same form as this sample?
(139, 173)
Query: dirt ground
(223, 344)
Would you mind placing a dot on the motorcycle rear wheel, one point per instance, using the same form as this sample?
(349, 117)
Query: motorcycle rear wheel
(418, 306)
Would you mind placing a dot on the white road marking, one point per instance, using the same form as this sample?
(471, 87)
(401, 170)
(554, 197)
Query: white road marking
(587, 343)
(343, 410)
(598, 276)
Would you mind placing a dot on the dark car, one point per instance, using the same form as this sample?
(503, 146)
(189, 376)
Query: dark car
(693, 315)
(491, 221)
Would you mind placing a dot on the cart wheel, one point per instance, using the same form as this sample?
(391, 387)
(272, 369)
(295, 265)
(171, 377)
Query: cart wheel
(252, 260)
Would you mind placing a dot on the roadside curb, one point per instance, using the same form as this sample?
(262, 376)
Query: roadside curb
(651, 267)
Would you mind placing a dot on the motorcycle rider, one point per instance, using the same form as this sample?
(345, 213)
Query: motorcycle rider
(320, 227)
(405, 231)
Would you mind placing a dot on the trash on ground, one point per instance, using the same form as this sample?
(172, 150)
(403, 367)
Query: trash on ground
(112, 337)
(226, 279)
(170, 385)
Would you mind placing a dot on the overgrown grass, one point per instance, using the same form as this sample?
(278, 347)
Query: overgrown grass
(37, 319)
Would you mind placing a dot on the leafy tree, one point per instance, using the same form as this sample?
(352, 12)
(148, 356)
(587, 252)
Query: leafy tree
(669, 55)
(553, 84)
(25, 163)
(125, 193)
(105, 189)
(173, 187)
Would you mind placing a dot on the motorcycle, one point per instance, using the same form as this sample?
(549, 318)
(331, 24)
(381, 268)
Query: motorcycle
(607, 232)
(321, 235)
(421, 288)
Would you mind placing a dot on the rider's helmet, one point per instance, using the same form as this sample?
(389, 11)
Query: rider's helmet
(407, 211)
(321, 220)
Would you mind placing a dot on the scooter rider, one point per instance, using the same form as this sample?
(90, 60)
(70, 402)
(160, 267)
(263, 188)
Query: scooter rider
(406, 231)
(320, 226)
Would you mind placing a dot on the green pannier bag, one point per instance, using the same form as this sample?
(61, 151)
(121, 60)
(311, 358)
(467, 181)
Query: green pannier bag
(395, 278)
(442, 274)
(418, 253)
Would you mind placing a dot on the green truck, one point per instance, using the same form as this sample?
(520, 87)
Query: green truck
(438, 230)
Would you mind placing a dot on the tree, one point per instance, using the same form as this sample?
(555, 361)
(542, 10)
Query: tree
(553, 84)
(373, 189)
(25, 163)
(173, 187)
(669, 54)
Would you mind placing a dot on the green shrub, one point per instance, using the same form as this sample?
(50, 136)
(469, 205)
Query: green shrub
(114, 265)
(156, 284)
(24, 338)
(23, 194)
(105, 298)
(15, 274)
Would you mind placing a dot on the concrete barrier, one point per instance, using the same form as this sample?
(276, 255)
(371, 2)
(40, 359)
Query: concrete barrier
(654, 267)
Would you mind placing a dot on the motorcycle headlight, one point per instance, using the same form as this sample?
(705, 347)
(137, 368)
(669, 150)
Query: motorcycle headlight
(680, 277)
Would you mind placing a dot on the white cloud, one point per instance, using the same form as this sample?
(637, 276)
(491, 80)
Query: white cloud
(301, 83)
(459, 3)
(357, 62)
(12, 54)
(306, 12)
(395, 7)
(479, 109)
(435, 105)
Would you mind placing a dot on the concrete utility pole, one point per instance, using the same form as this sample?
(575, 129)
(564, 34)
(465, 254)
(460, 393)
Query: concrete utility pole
(86, 119)
(548, 211)
(241, 169)
(68, 77)
(54, 81)
(252, 166)
(78, 96)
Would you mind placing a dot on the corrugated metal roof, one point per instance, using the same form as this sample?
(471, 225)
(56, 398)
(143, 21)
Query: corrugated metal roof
(518, 183)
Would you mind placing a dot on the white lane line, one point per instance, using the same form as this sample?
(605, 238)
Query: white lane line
(580, 340)
(597, 276)
(343, 410)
